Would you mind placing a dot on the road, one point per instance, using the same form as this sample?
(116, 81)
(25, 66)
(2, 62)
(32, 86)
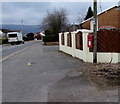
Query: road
(52, 77)
(11, 49)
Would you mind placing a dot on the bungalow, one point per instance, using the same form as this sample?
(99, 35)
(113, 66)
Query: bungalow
(39, 35)
(3, 32)
(108, 19)
(74, 27)
(80, 43)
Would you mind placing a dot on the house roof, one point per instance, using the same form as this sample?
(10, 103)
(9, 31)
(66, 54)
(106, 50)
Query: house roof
(40, 33)
(15, 31)
(100, 13)
(6, 30)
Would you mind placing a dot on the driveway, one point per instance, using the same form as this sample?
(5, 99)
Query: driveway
(51, 77)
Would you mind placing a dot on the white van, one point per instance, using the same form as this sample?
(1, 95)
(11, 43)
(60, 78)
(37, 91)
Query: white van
(15, 38)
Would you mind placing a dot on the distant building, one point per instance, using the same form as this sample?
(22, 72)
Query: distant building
(39, 35)
(3, 32)
(74, 27)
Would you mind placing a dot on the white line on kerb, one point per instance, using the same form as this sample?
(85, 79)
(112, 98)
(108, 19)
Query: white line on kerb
(1, 60)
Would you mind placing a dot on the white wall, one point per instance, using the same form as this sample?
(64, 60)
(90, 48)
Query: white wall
(1, 34)
(84, 54)
(92, 25)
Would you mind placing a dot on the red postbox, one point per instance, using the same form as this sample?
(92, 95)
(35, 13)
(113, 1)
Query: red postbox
(90, 40)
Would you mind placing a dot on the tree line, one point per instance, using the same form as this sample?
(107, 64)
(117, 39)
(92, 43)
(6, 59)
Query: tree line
(57, 21)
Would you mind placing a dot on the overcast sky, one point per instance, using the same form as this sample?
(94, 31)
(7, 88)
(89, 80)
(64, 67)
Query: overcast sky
(32, 13)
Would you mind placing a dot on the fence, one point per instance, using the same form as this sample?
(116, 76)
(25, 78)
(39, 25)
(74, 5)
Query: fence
(76, 44)
(108, 41)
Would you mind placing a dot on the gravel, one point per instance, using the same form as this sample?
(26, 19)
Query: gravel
(107, 74)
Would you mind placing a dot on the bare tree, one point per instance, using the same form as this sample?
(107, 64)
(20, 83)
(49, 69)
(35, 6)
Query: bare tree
(81, 17)
(55, 21)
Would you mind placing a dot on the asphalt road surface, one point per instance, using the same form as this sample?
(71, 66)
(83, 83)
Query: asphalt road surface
(51, 77)
(11, 49)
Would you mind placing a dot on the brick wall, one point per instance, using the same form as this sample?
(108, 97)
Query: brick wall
(69, 41)
(62, 39)
(79, 41)
(86, 25)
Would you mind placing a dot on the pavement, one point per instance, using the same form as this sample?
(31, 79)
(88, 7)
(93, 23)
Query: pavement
(52, 77)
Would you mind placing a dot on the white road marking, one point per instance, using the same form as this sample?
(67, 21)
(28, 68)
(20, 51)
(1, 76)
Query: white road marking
(11, 46)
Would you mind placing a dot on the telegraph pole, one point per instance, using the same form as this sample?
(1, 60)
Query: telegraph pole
(73, 26)
(95, 33)
(22, 26)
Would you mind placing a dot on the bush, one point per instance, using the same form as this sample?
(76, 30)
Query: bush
(30, 36)
(4, 41)
(47, 32)
(50, 38)
(25, 38)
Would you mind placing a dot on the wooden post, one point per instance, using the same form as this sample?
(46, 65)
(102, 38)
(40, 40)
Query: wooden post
(95, 33)
(73, 26)
(22, 26)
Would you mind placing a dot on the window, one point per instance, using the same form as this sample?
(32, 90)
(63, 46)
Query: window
(12, 35)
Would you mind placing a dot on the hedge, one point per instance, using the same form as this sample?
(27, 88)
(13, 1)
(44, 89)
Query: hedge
(25, 38)
(3, 41)
(50, 38)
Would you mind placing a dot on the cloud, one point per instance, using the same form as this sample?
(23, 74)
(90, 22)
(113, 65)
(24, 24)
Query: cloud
(27, 11)
(33, 12)
(58, 0)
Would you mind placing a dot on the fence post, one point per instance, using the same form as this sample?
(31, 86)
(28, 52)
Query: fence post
(73, 43)
(60, 41)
